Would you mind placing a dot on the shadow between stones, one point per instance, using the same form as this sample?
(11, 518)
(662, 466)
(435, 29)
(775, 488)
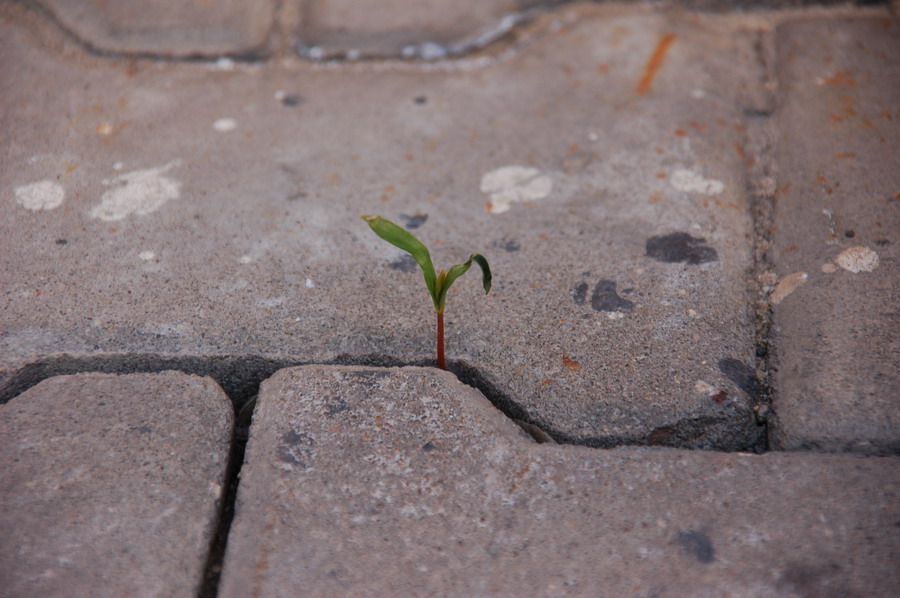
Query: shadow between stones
(240, 377)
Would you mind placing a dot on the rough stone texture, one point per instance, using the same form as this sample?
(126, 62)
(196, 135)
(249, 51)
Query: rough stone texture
(109, 485)
(838, 211)
(168, 27)
(211, 212)
(404, 482)
(411, 28)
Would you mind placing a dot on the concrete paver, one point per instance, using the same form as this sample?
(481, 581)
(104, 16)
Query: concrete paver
(430, 29)
(110, 485)
(167, 27)
(374, 482)
(181, 208)
(837, 213)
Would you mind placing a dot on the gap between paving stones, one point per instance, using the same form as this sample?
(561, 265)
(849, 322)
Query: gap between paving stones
(240, 377)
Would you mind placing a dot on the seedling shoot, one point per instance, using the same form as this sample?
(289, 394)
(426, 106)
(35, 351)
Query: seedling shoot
(438, 284)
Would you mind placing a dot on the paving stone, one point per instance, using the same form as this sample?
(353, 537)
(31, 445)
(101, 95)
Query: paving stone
(163, 208)
(110, 485)
(404, 482)
(168, 27)
(835, 243)
(406, 28)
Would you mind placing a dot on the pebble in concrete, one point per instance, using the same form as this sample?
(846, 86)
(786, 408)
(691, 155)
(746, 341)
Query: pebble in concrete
(404, 482)
(110, 485)
(837, 383)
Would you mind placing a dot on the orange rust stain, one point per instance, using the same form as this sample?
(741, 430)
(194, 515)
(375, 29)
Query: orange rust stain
(681, 132)
(569, 363)
(389, 188)
(573, 148)
(70, 167)
(845, 155)
(655, 62)
(841, 79)
(821, 179)
(660, 175)
(697, 125)
(784, 188)
(789, 249)
(547, 381)
(740, 150)
(603, 68)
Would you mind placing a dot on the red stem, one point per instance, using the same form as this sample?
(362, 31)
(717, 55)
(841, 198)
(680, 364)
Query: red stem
(440, 342)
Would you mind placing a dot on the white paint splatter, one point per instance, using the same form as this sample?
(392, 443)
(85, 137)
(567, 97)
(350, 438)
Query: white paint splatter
(42, 195)
(147, 255)
(118, 166)
(786, 286)
(687, 180)
(512, 184)
(593, 136)
(615, 315)
(857, 259)
(245, 259)
(698, 94)
(309, 283)
(224, 64)
(139, 192)
(223, 125)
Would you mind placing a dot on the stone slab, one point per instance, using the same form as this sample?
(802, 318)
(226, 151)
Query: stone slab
(110, 485)
(167, 27)
(835, 244)
(430, 29)
(182, 208)
(405, 482)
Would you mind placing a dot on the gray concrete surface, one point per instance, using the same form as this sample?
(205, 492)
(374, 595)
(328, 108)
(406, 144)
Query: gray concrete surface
(648, 184)
(111, 485)
(168, 28)
(182, 208)
(404, 482)
(837, 335)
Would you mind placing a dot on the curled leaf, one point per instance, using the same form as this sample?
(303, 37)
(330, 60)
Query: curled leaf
(400, 237)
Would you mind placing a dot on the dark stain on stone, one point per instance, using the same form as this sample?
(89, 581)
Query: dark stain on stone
(605, 298)
(62, 241)
(814, 581)
(420, 100)
(742, 375)
(579, 293)
(508, 244)
(428, 447)
(292, 99)
(296, 448)
(697, 544)
(404, 263)
(415, 221)
(335, 405)
(141, 429)
(680, 247)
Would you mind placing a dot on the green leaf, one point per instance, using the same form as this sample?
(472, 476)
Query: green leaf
(400, 237)
(445, 280)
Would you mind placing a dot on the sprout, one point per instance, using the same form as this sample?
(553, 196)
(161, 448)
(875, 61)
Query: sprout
(439, 284)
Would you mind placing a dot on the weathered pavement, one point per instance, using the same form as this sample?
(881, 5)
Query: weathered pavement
(692, 221)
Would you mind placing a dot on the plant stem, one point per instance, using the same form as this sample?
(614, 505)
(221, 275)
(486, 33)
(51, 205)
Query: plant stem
(440, 341)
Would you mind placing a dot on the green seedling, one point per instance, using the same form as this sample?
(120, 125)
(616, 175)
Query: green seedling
(439, 284)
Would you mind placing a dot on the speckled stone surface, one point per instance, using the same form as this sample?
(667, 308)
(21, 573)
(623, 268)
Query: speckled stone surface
(110, 485)
(404, 482)
(837, 335)
(196, 210)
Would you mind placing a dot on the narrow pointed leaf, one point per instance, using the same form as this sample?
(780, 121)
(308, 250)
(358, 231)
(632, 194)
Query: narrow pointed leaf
(400, 237)
(457, 271)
